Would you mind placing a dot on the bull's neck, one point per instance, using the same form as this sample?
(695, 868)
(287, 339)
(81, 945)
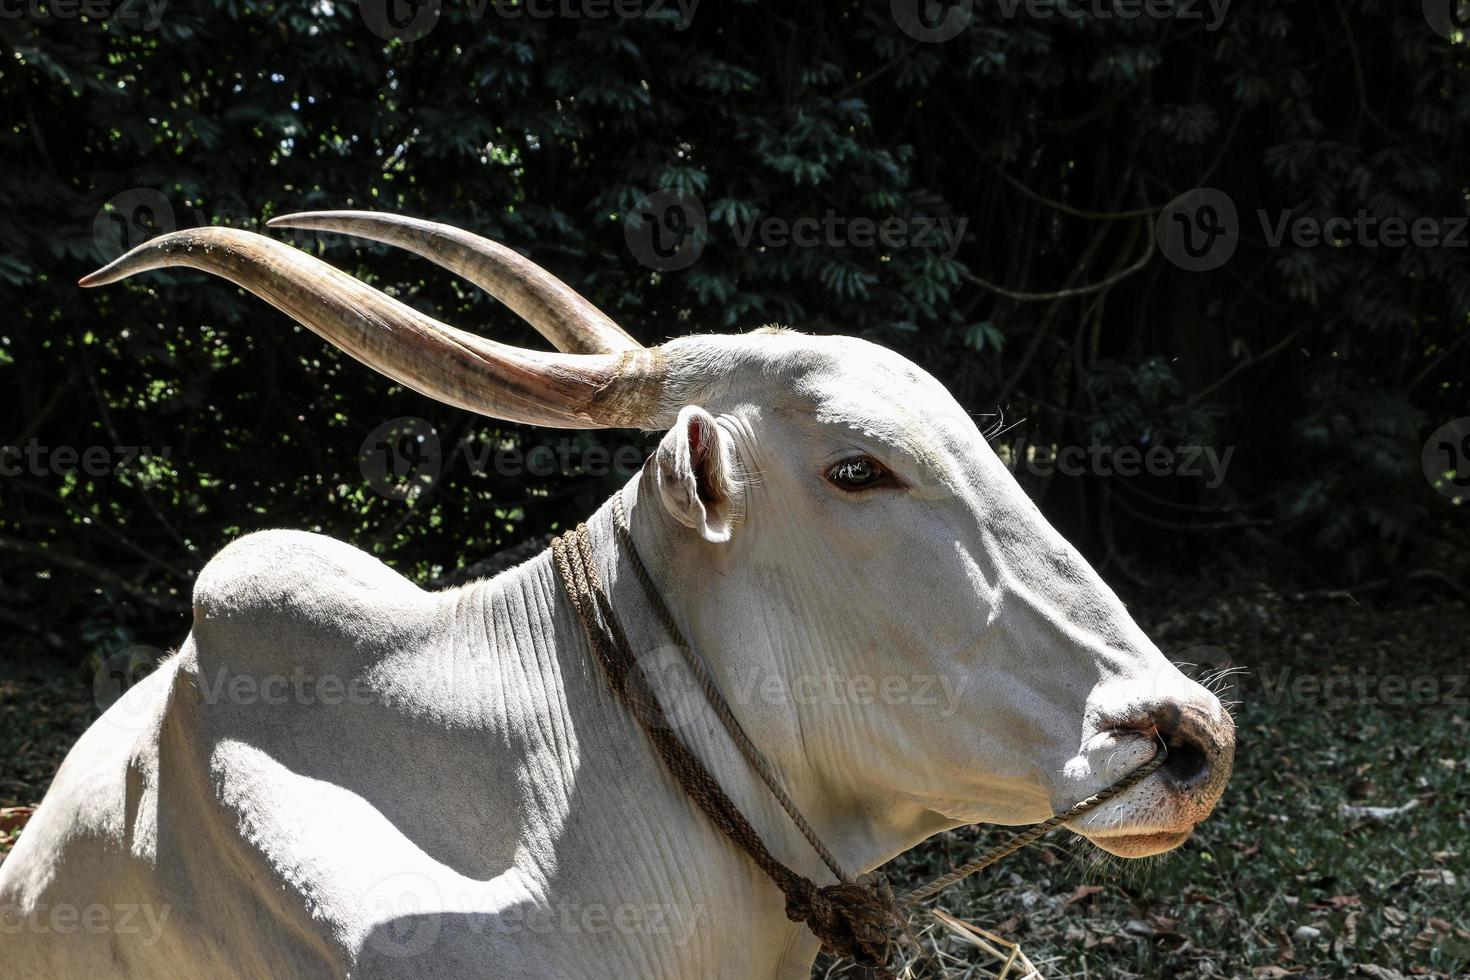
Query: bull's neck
(740, 928)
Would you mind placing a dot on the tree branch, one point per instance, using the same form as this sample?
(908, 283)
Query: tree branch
(1075, 291)
(82, 567)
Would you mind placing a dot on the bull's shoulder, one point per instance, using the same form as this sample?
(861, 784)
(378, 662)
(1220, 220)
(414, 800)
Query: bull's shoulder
(293, 590)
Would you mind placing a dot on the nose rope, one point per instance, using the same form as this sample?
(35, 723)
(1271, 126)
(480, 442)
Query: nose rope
(1017, 841)
(856, 917)
(711, 692)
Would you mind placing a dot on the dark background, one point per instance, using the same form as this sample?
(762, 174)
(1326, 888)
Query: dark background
(1322, 370)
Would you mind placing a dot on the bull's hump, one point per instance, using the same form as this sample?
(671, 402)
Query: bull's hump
(289, 594)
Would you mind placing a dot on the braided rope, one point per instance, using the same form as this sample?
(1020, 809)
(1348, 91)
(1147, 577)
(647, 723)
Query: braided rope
(850, 918)
(717, 700)
(1018, 841)
(856, 916)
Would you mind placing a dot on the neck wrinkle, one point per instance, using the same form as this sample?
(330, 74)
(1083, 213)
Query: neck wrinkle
(665, 546)
(860, 834)
(633, 837)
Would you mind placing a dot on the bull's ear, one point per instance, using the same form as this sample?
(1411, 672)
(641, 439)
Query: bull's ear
(696, 474)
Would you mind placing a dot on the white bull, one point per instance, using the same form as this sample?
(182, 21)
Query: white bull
(340, 774)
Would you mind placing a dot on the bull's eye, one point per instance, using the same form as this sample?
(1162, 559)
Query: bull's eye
(858, 473)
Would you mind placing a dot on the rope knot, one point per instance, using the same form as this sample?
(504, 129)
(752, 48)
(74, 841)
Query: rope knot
(856, 919)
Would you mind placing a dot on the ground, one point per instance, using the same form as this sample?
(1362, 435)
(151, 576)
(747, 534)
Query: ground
(1341, 849)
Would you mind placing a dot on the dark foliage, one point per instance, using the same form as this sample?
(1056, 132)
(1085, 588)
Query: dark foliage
(1322, 370)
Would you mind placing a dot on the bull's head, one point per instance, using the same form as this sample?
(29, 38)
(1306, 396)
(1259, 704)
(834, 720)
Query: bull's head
(890, 612)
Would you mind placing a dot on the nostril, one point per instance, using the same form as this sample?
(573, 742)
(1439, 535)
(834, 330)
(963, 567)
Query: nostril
(1200, 742)
(1188, 764)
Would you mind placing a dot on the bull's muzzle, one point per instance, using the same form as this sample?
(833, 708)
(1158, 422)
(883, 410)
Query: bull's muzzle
(1200, 738)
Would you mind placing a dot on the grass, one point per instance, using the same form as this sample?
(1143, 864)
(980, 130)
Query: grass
(1281, 881)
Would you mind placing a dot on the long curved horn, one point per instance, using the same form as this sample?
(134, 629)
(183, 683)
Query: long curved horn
(558, 312)
(573, 391)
